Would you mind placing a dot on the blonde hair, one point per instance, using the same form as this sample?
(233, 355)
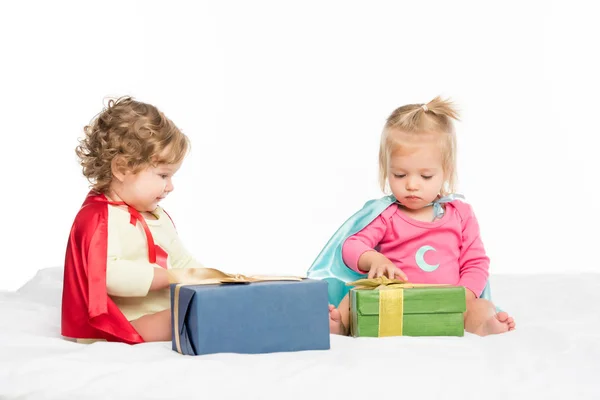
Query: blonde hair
(408, 124)
(136, 132)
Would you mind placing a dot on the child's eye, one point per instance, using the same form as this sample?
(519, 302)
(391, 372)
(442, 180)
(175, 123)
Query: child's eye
(426, 176)
(164, 176)
(399, 175)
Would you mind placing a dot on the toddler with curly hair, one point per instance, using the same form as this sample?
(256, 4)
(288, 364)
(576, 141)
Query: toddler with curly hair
(122, 243)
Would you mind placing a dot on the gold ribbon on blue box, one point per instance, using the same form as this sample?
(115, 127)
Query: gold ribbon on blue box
(203, 276)
(391, 307)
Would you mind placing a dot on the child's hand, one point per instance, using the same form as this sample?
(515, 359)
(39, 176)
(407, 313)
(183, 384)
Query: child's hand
(383, 266)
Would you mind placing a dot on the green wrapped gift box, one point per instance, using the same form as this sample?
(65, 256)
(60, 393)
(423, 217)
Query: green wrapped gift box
(383, 307)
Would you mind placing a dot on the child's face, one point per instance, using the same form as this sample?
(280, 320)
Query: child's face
(416, 176)
(145, 189)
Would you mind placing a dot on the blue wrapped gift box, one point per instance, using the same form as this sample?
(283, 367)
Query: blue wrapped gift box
(260, 317)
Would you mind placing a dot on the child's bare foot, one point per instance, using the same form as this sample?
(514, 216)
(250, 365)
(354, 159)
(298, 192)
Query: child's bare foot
(498, 323)
(335, 321)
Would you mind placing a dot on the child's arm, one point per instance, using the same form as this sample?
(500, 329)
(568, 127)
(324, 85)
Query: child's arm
(160, 279)
(359, 254)
(473, 261)
(125, 278)
(358, 250)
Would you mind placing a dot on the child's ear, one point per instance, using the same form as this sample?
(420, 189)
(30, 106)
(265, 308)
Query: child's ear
(118, 168)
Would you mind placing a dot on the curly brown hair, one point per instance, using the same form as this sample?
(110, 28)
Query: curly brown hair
(138, 133)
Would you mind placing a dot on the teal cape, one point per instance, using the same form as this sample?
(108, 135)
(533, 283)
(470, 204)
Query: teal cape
(329, 265)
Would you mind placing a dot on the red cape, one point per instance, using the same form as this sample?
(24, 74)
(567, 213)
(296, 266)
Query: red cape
(87, 310)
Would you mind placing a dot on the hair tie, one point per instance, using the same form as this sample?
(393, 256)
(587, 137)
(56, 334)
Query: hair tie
(424, 107)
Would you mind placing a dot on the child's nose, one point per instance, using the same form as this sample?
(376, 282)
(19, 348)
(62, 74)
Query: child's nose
(169, 187)
(411, 183)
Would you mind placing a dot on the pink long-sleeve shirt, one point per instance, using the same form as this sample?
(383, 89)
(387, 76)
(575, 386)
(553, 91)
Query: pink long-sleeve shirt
(448, 250)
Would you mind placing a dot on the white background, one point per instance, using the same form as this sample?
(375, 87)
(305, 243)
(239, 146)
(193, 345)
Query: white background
(284, 104)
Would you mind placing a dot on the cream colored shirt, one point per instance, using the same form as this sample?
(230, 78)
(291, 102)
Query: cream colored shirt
(129, 274)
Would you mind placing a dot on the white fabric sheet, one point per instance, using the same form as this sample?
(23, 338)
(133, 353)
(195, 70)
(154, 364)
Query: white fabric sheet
(553, 354)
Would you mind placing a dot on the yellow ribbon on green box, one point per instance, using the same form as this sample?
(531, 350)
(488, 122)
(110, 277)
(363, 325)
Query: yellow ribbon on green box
(391, 302)
(210, 276)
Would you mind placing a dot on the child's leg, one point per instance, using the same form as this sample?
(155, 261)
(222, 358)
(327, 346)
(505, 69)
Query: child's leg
(339, 318)
(482, 319)
(154, 327)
